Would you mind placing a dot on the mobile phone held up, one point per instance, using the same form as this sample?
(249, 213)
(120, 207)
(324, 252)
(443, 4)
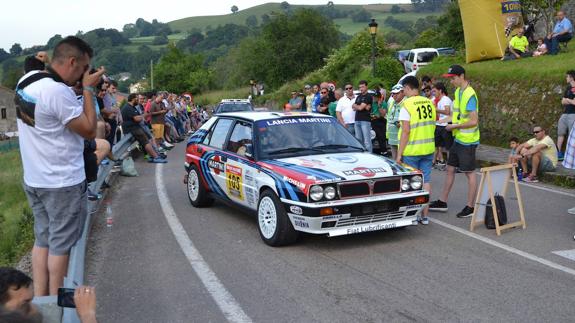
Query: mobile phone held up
(66, 297)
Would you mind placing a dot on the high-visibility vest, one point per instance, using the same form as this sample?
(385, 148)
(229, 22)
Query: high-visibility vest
(422, 126)
(460, 116)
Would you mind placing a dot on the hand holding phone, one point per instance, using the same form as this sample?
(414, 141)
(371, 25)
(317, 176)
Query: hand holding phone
(66, 297)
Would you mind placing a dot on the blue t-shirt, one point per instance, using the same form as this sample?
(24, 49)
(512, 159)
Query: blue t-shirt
(315, 102)
(563, 25)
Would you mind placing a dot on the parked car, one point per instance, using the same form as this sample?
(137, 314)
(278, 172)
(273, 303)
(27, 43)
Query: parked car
(446, 51)
(233, 105)
(401, 55)
(299, 172)
(419, 57)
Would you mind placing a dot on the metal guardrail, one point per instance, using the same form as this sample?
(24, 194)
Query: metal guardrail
(75, 275)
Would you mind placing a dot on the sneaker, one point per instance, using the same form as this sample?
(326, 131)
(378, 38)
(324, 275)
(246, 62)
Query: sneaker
(438, 205)
(560, 156)
(157, 161)
(531, 179)
(571, 211)
(167, 144)
(162, 155)
(105, 161)
(424, 220)
(161, 150)
(466, 212)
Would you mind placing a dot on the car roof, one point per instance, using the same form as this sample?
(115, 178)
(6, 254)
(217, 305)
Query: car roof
(235, 101)
(256, 116)
(418, 50)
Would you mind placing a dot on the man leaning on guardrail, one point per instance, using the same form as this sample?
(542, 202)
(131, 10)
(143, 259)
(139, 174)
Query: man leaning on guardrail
(51, 146)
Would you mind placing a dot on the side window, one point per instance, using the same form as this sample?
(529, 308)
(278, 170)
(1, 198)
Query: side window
(240, 137)
(410, 57)
(218, 135)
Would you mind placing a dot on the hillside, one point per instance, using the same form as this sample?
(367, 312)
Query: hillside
(378, 11)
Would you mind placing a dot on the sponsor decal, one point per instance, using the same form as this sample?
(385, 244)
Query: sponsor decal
(409, 207)
(249, 177)
(279, 122)
(373, 227)
(302, 223)
(234, 181)
(364, 171)
(216, 165)
(297, 183)
(296, 210)
(311, 162)
(343, 159)
(333, 217)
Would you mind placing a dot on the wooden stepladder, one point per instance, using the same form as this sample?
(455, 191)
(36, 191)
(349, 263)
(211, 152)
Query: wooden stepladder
(495, 180)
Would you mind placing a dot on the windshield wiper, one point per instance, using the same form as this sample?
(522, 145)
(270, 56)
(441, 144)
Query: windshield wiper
(335, 146)
(291, 150)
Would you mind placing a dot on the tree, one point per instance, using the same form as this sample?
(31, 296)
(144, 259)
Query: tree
(285, 5)
(265, 18)
(16, 49)
(361, 16)
(252, 21)
(3, 55)
(160, 40)
(535, 10)
(130, 30)
(190, 41)
(395, 9)
(53, 41)
(179, 72)
(234, 9)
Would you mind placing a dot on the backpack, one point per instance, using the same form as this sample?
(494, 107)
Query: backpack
(25, 108)
(501, 212)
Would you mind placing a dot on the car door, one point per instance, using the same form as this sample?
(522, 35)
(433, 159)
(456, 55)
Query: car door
(213, 161)
(240, 168)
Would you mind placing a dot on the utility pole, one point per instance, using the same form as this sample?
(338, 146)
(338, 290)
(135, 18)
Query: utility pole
(151, 74)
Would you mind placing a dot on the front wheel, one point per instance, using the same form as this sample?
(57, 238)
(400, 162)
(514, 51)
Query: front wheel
(273, 223)
(196, 191)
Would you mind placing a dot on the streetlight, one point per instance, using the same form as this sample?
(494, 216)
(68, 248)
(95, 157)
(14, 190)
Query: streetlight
(373, 32)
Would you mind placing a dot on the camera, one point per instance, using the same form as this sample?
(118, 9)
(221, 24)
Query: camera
(66, 297)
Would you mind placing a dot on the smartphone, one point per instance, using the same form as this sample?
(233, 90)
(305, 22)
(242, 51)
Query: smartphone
(66, 297)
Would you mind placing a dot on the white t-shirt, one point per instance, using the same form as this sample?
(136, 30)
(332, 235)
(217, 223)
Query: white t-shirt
(404, 115)
(344, 105)
(444, 102)
(52, 154)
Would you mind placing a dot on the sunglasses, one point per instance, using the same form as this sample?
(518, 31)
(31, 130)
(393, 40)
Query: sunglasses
(536, 132)
(349, 88)
(323, 92)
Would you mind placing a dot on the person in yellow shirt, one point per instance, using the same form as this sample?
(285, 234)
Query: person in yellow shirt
(518, 46)
(539, 152)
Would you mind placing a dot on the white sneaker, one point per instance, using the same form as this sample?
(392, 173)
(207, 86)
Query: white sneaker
(571, 211)
(167, 144)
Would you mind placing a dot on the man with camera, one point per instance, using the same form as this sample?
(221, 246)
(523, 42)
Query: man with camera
(52, 126)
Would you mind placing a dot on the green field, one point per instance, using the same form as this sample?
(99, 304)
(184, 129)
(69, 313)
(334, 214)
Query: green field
(16, 234)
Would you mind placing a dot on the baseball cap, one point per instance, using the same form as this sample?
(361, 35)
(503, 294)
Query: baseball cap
(307, 86)
(396, 88)
(454, 70)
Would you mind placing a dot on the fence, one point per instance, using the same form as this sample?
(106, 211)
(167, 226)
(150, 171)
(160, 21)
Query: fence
(6, 145)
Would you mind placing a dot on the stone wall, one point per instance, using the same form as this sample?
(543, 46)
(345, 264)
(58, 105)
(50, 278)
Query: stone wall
(7, 102)
(568, 7)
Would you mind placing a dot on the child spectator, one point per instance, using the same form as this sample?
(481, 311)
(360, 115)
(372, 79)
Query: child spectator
(513, 143)
(541, 48)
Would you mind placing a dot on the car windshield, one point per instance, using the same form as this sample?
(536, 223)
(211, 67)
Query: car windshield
(289, 137)
(426, 57)
(234, 107)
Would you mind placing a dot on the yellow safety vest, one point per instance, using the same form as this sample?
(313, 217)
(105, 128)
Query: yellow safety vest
(422, 126)
(460, 116)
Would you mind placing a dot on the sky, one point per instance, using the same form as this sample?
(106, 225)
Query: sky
(33, 22)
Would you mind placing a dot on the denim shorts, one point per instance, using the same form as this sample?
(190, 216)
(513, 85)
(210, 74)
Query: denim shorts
(59, 216)
(423, 163)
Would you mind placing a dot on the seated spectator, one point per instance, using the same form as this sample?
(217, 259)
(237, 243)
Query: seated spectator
(132, 119)
(513, 143)
(518, 47)
(562, 32)
(541, 48)
(540, 153)
(16, 291)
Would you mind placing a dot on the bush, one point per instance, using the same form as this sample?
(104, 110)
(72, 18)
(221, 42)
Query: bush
(160, 40)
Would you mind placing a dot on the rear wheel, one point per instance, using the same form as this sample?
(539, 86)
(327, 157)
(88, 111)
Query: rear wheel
(273, 223)
(197, 193)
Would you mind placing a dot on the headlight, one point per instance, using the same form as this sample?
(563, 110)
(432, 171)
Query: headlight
(416, 182)
(329, 192)
(316, 193)
(405, 184)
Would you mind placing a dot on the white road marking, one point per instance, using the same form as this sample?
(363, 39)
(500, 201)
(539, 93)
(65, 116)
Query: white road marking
(225, 301)
(569, 254)
(506, 247)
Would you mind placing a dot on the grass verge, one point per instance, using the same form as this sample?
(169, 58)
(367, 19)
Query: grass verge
(16, 220)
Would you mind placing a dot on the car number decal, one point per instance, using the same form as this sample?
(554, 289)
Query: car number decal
(234, 181)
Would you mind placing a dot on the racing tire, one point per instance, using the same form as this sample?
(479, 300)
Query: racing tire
(197, 193)
(274, 224)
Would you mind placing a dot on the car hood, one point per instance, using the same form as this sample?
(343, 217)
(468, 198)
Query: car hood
(327, 168)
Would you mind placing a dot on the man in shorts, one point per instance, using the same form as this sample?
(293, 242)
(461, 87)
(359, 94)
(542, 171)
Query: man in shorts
(568, 117)
(132, 119)
(416, 137)
(538, 152)
(158, 112)
(465, 129)
(52, 128)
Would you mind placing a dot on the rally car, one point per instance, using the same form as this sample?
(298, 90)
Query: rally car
(299, 172)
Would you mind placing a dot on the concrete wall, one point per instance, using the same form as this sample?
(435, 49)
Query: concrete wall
(7, 102)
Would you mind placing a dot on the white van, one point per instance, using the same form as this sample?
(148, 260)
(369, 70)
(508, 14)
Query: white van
(419, 57)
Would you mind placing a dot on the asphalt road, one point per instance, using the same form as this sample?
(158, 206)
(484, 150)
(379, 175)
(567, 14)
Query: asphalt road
(433, 273)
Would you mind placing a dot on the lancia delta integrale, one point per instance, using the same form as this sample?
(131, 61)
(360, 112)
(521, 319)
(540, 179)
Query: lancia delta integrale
(299, 172)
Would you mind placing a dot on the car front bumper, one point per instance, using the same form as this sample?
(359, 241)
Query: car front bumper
(353, 216)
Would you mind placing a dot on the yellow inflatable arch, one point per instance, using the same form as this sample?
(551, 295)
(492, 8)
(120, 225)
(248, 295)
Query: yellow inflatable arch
(488, 25)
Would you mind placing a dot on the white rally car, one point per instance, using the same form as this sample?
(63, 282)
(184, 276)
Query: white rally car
(300, 172)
